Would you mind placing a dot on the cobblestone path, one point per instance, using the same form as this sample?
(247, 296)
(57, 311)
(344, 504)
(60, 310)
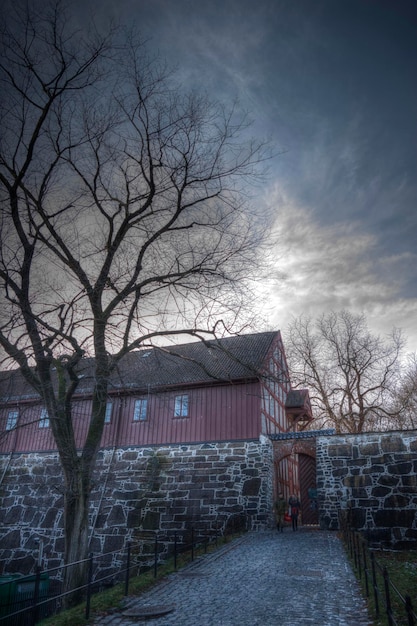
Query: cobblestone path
(263, 579)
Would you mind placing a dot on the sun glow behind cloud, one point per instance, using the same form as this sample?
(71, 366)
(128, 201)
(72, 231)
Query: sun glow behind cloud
(331, 267)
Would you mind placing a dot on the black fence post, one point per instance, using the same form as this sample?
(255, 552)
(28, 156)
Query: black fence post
(192, 544)
(155, 562)
(374, 584)
(175, 551)
(409, 610)
(387, 597)
(365, 567)
(350, 535)
(127, 568)
(90, 580)
(36, 594)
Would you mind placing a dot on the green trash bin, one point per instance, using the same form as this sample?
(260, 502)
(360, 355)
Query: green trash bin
(25, 589)
(17, 591)
(8, 584)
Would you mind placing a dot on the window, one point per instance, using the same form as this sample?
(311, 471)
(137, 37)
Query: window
(181, 406)
(141, 409)
(109, 411)
(12, 419)
(44, 421)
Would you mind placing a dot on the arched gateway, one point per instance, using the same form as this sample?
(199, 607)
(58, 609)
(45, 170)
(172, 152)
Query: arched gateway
(295, 469)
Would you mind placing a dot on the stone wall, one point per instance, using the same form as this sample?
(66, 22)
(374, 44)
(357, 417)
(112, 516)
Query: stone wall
(370, 480)
(171, 489)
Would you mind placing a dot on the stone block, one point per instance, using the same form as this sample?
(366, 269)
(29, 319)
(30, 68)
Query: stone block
(369, 449)
(251, 487)
(380, 491)
(400, 468)
(129, 455)
(394, 517)
(117, 516)
(337, 473)
(49, 521)
(376, 536)
(405, 545)
(133, 518)
(389, 481)
(113, 543)
(151, 520)
(396, 501)
(374, 469)
(357, 462)
(392, 443)
(340, 450)
(358, 492)
(358, 481)
(250, 472)
(11, 539)
(22, 562)
(14, 515)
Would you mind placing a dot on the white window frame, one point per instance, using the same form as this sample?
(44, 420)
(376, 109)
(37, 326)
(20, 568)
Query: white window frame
(181, 407)
(44, 419)
(109, 412)
(140, 413)
(12, 418)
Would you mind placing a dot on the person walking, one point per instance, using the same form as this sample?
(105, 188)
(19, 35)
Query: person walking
(294, 511)
(280, 508)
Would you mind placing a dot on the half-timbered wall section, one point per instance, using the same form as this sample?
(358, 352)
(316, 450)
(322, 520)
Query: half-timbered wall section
(275, 385)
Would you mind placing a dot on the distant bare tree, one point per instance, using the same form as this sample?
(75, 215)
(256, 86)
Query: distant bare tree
(406, 394)
(123, 218)
(351, 373)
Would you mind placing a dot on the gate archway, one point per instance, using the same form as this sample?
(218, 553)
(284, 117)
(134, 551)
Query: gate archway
(295, 469)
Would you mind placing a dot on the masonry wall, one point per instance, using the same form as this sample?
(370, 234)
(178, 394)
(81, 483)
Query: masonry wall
(206, 486)
(370, 480)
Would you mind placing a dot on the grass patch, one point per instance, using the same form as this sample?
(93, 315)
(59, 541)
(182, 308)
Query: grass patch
(402, 571)
(112, 599)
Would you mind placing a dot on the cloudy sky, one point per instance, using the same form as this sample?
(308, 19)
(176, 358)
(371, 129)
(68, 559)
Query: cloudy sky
(333, 84)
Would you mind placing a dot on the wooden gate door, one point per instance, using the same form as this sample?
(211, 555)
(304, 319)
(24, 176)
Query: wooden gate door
(307, 469)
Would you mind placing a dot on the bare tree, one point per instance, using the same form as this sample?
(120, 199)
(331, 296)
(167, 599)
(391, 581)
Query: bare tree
(123, 218)
(405, 398)
(351, 373)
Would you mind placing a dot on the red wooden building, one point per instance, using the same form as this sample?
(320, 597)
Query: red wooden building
(236, 388)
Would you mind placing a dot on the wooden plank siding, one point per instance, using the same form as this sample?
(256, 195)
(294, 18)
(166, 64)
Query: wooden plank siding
(235, 393)
(215, 413)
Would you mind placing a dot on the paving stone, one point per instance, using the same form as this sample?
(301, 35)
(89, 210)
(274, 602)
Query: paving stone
(262, 579)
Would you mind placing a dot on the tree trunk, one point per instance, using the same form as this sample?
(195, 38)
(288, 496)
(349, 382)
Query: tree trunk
(76, 505)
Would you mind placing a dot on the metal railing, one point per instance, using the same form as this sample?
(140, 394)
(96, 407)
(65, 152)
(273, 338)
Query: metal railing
(25, 600)
(378, 583)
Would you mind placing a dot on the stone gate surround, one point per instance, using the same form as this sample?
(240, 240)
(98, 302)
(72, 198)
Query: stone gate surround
(370, 480)
(209, 486)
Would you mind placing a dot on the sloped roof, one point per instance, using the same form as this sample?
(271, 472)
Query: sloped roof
(297, 404)
(231, 358)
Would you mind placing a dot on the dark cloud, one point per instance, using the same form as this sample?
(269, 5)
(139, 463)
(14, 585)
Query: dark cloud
(333, 84)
